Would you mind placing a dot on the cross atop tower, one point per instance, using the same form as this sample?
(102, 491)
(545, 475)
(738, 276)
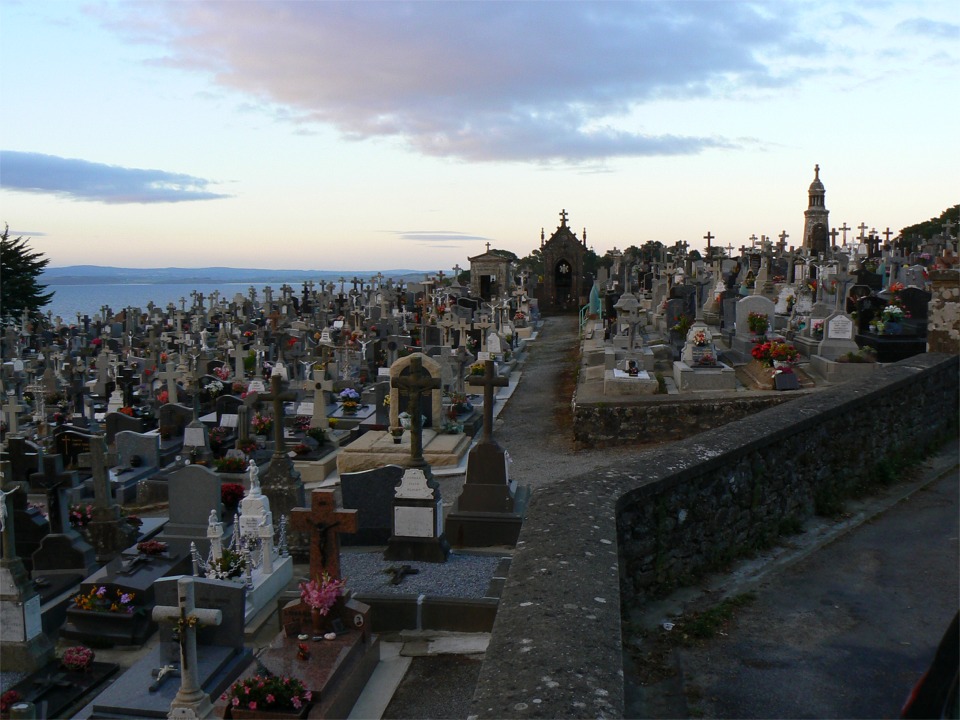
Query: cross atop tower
(563, 218)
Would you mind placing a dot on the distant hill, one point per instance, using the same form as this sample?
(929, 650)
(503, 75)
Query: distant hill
(102, 274)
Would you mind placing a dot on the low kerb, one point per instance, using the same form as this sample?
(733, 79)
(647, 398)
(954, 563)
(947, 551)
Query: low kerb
(377, 448)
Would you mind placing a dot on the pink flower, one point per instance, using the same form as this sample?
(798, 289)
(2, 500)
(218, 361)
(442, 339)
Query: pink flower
(236, 702)
(271, 698)
(246, 690)
(253, 705)
(295, 701)
(308, 695)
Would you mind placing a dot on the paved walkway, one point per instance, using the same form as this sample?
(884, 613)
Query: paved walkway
(846, 616)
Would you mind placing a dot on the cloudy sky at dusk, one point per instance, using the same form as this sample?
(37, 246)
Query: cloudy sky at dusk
(372, 135)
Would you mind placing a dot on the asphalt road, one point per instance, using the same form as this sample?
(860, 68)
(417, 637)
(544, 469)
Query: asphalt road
(844, 633)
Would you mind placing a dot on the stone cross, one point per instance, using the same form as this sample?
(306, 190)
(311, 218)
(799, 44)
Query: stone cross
(278, 397)
(10, 411)
(9, 544)
(238, 355)
(323, 521)
(463, 326)
(169, 376)
(321, 386)
(489, 380)
(416, 384)
(187, 616)
(102, 496)
(483, 323)
(447, 324)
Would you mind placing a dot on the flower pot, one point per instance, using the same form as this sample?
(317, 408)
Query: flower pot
(891, 327)
(240, 713)
(104, 629)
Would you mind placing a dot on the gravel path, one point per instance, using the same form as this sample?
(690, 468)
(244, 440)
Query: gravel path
(535, 427)
(462, 575)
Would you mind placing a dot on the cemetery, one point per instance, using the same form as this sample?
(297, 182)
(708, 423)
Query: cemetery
(178, 483)
(262, 489)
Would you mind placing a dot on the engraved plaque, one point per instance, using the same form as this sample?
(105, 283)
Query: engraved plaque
(193, 436)
(413, 522)
(31, 617)
(840, 328)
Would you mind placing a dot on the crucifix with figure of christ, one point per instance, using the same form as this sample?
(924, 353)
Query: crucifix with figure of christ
(278, 398)
(417, 383)
(323, 521)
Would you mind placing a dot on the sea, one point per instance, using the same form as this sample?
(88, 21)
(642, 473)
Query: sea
(68, 300)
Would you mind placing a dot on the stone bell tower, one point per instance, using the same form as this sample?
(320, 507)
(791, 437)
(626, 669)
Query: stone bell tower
(816, 218)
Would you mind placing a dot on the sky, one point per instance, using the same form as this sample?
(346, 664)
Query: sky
(369, 135)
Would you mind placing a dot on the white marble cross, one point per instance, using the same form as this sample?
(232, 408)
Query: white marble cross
(191, 700)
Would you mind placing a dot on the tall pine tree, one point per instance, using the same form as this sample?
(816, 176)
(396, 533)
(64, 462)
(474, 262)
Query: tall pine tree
(20, 268)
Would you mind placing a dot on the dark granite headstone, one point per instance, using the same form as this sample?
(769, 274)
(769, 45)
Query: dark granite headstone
(71, 444)
(676, 307)
(24, 458)
(688, 294)
(54, 690)
(61, 553)
(872, 280)
(30, 527)
(116, 422)
(370, 493)
(915, 301)
(868, 308)
(172, 419)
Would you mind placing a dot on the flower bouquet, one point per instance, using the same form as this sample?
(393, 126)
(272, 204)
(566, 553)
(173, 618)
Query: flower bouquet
(321, 593)
(775, 350)
(267, 693)
(350, 399)
(98, 600)
(77, 658)
(8, 700)
(151, 547)
(80, 515)
(230, 465)
(700, 338)
(214, 388)
(219, 434)
(231, 494)
(758, 323)
(262, 424)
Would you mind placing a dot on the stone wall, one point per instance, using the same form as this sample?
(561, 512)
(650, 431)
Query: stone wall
(594, 547)
(943, 314)
(665, 418)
